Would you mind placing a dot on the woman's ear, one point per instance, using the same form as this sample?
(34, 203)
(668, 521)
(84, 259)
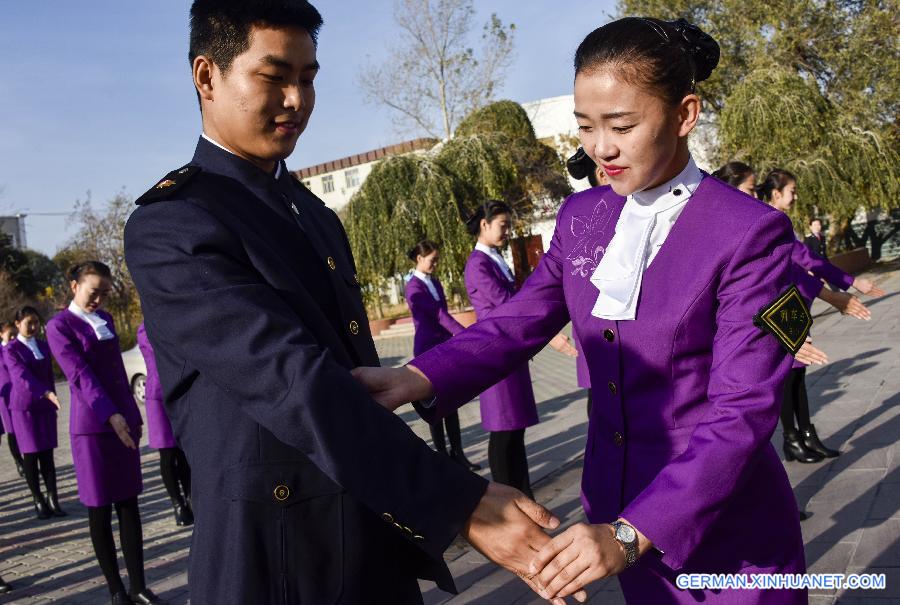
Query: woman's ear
(688, 114)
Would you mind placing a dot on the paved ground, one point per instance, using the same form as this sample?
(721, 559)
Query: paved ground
(855, 499)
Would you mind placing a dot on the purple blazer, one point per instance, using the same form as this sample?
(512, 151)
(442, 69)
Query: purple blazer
(818, 266)
(5, 391)
(158, 425)
(509, 404)
(687, 395)
(30, 378)
(432, 320)
(97, 379)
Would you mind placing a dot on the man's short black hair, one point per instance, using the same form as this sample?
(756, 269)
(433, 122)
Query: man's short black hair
(220, 29)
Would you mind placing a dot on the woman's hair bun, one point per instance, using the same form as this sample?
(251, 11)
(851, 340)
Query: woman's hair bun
(580, 165)
(700, 45)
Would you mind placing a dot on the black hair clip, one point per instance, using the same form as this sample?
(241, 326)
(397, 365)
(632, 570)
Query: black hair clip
(580, 165)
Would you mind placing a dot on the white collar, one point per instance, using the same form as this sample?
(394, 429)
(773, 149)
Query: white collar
(497, 258)
(643, 226)
(429, 283)
(422, 275)
(97, 323)
(489, 250)
(222, 147)
(32, 345)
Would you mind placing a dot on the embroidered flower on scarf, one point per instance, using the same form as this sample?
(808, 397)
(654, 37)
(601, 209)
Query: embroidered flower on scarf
(589, 232)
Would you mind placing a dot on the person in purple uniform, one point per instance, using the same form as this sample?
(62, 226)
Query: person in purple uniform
(173, 466)
(508, 407)
(33, 406)
(104, 428)
(434, 324)
(7, 333)
(801, 441)
(679, 472)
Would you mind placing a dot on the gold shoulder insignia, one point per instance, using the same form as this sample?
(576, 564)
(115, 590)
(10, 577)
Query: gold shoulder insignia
(787, 318)
(168, 185)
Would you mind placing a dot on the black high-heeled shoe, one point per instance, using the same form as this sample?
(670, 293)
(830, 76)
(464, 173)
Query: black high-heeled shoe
(812, 443)
(120, 598)
(461, 458)
(183, 514)
(41, 510)
(146, 597)
(795, 450)
(53, 504)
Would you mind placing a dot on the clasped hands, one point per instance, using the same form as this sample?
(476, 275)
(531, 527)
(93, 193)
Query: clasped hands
(509, 528)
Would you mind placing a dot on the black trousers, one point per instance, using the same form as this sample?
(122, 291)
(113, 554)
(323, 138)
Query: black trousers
(131, 536)
(794, 402)
(176, 473)
(508, 460)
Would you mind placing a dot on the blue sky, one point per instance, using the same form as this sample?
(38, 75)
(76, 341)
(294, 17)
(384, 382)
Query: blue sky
(96, 95)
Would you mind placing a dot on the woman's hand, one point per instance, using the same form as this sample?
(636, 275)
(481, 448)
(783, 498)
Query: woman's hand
(53, 398)
(392, 387)
(573, 559)
(810, 355)
(117, 421)
(846, 303)
(561, 343)
(867, 287)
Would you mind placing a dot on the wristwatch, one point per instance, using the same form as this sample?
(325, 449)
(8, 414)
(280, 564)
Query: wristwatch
(626, 535)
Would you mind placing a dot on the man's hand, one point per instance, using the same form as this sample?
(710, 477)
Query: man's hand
(506, 527)
(867, 287)
(120, 426)
(392, 387)
(810, 355)
(561, 344)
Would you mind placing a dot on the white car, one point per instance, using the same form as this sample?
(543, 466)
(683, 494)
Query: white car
(136, 370)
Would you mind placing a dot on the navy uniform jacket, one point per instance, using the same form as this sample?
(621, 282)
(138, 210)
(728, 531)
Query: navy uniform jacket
(305, 490)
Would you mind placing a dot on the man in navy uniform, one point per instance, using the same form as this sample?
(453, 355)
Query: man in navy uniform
(305, 490)
(815, 241)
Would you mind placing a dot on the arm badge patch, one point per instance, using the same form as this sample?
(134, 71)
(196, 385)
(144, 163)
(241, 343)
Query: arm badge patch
(787, 318)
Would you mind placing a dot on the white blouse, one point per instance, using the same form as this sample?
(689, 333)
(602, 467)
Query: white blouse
(95, 321)
(646, 220)
(31, 343)
(430, 284)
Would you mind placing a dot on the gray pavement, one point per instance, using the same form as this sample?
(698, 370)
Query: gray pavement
(854, 499)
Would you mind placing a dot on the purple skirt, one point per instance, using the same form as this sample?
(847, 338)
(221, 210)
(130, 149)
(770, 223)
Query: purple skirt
(158, 426)
(35, 431)
(5, 417)
(106, 471)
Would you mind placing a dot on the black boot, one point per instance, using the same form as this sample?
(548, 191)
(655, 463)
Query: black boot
(812, 443)
(19, 468)
(41, 509)
(183, 516)
(794, 449)
(5, 586)
(53, 503)
(803, 515)
(120, 598)
(146, 597)
(461, 458)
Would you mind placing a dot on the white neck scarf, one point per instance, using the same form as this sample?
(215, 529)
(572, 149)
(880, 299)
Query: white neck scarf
(95, 321)
(497, 258)
(31, 343)
(427, 279)
(646, 220)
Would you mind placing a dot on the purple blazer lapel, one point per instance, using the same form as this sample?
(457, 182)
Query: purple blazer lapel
(498, 272)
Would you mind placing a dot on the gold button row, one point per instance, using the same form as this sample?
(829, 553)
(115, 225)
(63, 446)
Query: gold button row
(390, 519)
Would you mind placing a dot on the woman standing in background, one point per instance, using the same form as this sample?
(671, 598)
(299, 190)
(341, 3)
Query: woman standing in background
(7, 332)
(33, 407)
(173, 466)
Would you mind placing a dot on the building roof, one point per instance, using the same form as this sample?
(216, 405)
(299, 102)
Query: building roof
(365, 158)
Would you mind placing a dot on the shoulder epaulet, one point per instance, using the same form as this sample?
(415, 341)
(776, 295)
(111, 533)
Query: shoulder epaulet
(169, 184)
(787, 318)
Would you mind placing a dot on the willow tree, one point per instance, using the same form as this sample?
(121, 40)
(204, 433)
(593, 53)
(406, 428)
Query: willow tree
(493, 155)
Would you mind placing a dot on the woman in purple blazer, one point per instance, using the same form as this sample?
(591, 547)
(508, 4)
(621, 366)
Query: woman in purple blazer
(173, 465)
(104, 428)
(7, 333)
(434, 325)
(679, 472)
(33, 405)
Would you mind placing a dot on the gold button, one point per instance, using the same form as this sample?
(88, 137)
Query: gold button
(388, 517)
(612, 387)
(609, 335)
(355, 279)
(282, 492)
(618, 438)
(354, 328)
(331, 264)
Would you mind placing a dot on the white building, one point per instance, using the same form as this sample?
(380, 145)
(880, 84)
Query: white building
(336, 181)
